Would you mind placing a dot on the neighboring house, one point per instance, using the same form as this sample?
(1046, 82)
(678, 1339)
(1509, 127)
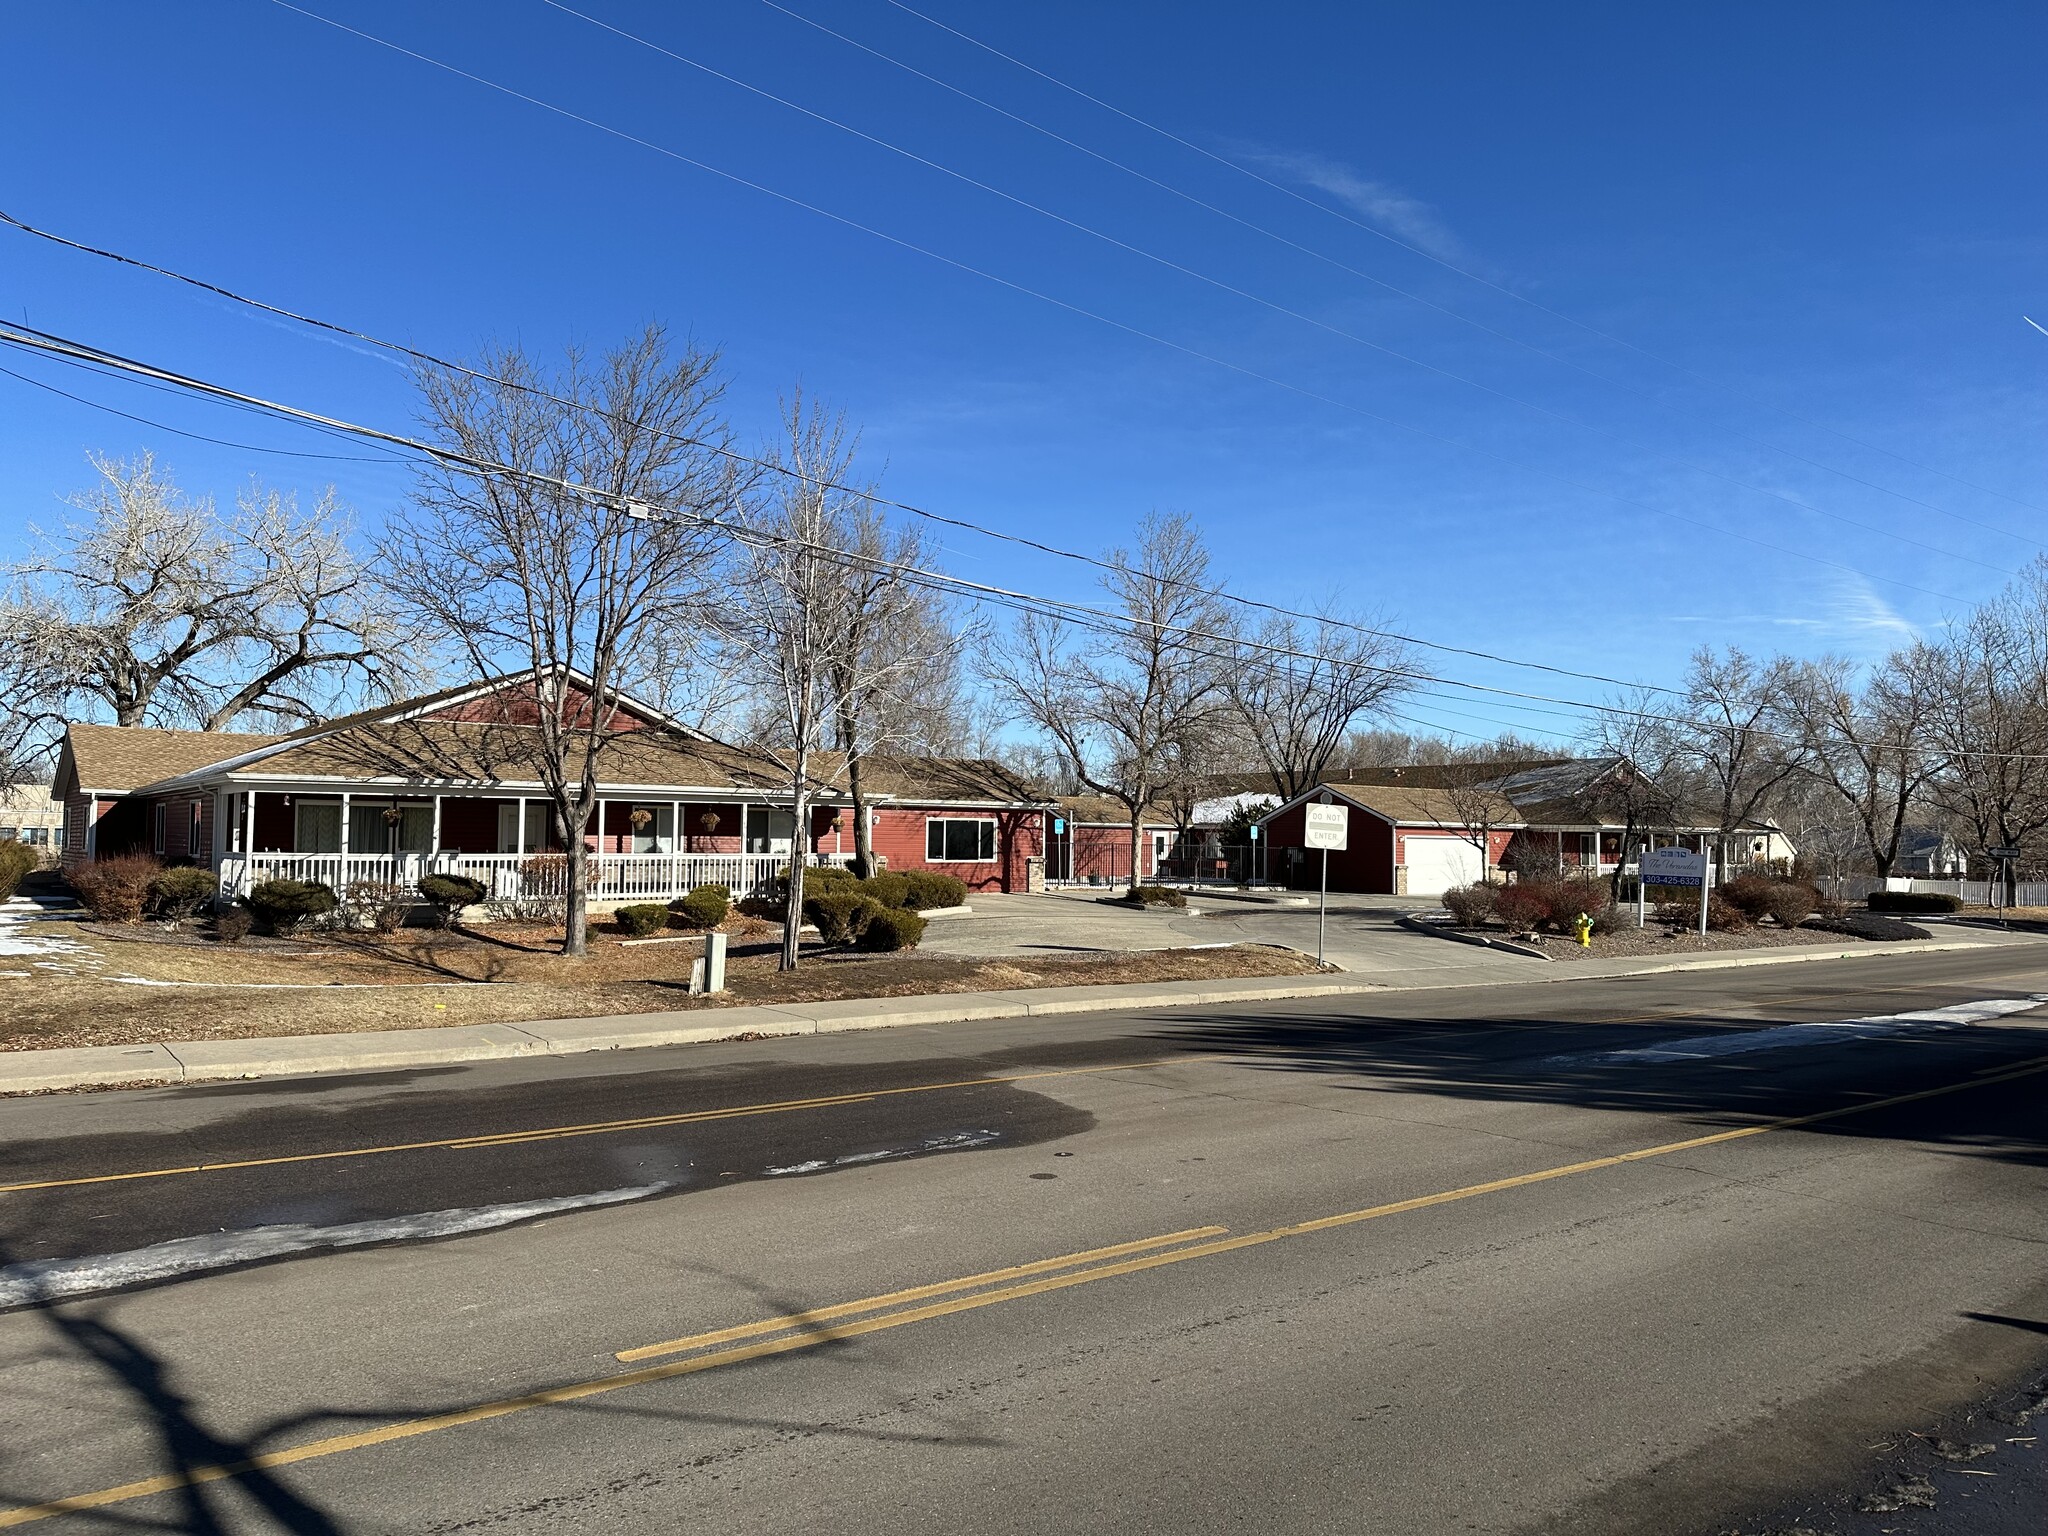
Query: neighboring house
(445, 782)
(1931, 853)
(1089, 841)
(1422, 825)
(30, 814)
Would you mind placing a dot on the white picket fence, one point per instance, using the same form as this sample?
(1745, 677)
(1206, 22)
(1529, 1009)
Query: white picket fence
(1972, 893)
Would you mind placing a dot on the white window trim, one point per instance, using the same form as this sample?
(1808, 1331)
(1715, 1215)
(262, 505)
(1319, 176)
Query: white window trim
(994, 839)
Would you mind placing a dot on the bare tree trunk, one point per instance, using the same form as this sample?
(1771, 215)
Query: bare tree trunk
(863, 842)
(1137, 841)
(576, 905)
(793, 918)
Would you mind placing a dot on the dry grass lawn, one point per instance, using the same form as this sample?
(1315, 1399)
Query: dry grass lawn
(419, 979)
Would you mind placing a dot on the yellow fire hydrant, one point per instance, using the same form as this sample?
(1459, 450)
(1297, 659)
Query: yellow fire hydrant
(1584, 925)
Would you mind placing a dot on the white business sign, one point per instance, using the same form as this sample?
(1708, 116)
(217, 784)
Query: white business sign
(1326, 826)
(1674, 866)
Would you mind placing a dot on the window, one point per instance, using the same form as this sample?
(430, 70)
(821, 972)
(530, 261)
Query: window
(10, 834)
(163, 826)
(960, 840)
(193, 845)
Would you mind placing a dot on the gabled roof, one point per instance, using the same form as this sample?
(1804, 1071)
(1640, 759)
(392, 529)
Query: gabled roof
(124, 757)
(1419, 806)
(1101, 811)
(953, 779)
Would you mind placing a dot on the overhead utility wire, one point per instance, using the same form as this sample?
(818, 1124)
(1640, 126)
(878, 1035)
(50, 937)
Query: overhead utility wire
(1277, 308)
(1088, 314)
(1358, 272)
(770, 465)
(1451, 266)
(30, 339)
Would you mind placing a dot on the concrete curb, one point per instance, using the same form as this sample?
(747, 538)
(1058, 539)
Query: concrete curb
(198, 1061)
(1421, 924)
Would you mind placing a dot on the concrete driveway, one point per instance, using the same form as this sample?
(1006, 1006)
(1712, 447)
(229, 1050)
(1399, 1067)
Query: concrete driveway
(1034, 925)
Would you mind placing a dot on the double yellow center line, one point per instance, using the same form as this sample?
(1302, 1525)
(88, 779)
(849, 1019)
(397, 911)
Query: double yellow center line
(790, 1332)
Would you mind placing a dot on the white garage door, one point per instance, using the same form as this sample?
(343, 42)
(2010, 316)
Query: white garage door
(1435, 864)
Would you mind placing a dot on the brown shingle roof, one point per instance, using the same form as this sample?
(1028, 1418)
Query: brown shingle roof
(128, 756)
(1422, 807)
(935, 778)
(1101, 811)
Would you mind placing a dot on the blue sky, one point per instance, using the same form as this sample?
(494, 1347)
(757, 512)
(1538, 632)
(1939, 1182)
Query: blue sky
(1798, 243)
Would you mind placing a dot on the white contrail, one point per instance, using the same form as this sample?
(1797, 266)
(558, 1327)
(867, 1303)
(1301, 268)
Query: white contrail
(1736, 1043)
(55, 1279)
(2035, 324)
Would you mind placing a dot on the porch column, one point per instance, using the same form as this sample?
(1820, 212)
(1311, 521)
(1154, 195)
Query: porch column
(743, 827)
(249, 843)
(344, 834)
(435, 837)
(675, 848)
(519, 838)
(599, 864)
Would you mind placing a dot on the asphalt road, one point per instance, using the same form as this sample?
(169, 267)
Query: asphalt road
(1442, 1261)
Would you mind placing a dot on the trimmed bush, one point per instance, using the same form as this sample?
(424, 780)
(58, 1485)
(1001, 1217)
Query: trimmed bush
(767, 908)
(704, 907)
(1752, 893)
(890, 929)
(1912, 901)
(17, 862)
(1521, 907)
(930, 890)
(1470, 905)
(818, 880)
(449, 894)
(233, 925)
(888, 888)
(177, 894)
(1862, 925)
(1155, 896)
(282, 905)
(641, 919)
(1792, 902)
(841, 916)
(1724, 916)
(116, 890)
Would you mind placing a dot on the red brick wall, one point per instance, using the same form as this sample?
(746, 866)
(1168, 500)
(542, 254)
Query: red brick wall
(1367, 866)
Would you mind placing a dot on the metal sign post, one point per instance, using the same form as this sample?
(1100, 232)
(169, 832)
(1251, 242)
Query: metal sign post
(1325, 826)
(2001, 872)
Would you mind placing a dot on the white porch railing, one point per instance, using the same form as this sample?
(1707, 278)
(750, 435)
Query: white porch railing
(613, 877)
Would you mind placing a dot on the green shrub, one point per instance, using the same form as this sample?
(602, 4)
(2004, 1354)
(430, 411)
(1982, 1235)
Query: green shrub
(889, 888)
(177, 894)
(769, 909)
(233, 925)
(891, 928)
(1912, 901)
(1864, 925)
(641, 919)
(818, 879)
(17, 862)
(705, 907)
(116, 890)
(282, 905)
(1155, 896)
(1470, 905)
(841, 916)
(449, 894)
(930, 890)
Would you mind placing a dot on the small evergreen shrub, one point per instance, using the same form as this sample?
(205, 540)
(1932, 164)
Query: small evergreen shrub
(449, 894)
(769, 909)
(930, 890)
(1864, 925)
(890, 889)
(890, 929)
(641, 919)
(841, 916)
(1155, 896)
(17, 862)
(282, 905)
(233, 925)
(1912, 901)
(176, 894)
(1470, 905)
(704, 907)
(116, 890)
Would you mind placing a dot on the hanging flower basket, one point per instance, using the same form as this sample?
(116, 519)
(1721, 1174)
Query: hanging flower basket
(709, 822)
(640, 819)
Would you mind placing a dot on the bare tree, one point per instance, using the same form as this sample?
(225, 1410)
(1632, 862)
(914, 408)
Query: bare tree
(1634, 789)
(832, 620)
(894, 670)
(568, 542)
(1125, 706)
(1299, 690)
(1727, 750)
(1869, 746)
(154, 608)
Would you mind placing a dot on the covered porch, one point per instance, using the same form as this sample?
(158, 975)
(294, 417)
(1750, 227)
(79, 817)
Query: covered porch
(640, 848)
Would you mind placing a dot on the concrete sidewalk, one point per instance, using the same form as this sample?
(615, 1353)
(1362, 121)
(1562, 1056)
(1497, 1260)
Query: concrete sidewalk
(196, 1061)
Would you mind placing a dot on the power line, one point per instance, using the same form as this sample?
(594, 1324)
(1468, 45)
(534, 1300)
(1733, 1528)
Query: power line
(1343, 266)
(1059, 608)
(1450, 266)
(1132, 330)
(1277, 308)
(770, 465)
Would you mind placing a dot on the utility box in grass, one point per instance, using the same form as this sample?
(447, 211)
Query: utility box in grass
(707, 971)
